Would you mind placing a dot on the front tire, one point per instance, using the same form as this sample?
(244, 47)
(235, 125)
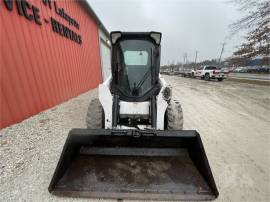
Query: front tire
(95, 115)
(174, 116)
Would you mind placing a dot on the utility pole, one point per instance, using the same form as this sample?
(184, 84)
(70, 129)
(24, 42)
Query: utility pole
(196, 55)
(185, 58)
(222, 50)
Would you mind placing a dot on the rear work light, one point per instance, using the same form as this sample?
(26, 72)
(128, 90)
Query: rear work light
(156, 36)
(115, 36)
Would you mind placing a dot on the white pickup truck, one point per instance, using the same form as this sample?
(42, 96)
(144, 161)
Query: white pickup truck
(210, 72)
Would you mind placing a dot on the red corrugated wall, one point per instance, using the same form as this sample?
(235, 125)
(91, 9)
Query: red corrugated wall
(40, 68)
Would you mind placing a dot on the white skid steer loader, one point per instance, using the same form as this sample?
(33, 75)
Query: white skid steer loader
(134, 147)
(135, 96)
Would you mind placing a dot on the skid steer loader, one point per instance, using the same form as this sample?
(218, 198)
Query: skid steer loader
(134, 147)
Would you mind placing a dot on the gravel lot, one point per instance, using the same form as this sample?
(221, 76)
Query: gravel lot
(232, 118)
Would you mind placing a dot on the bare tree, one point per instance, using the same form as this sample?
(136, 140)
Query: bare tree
(257, 22)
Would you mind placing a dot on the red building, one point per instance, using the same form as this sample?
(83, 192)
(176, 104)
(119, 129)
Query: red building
(50, 52)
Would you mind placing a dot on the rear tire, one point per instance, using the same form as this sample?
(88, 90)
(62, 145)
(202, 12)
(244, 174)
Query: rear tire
(95, 115)
(220, 79)
(174, 115)
(207, 77)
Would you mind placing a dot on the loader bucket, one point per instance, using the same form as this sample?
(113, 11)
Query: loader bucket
(132, 164)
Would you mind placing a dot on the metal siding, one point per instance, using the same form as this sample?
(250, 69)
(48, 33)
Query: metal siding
(39, 68)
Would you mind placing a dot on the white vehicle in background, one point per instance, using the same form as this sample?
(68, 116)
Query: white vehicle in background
(188, 72)
(210, 72)
(240, 70)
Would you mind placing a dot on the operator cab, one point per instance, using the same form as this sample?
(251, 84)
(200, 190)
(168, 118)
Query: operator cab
(135, 65)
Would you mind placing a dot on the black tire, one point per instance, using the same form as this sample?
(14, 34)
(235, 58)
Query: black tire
(207, 77)
(95, 115)
(220, 79)
(192, 75)
(174, 116)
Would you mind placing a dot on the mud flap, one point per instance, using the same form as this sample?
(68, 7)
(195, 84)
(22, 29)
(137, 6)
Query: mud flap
(131, 164)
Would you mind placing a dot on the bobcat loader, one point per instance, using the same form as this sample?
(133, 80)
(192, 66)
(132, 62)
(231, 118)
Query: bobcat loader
(134, 147)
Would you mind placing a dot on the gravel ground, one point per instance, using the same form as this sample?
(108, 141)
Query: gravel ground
(232, 118)
(30, 150)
